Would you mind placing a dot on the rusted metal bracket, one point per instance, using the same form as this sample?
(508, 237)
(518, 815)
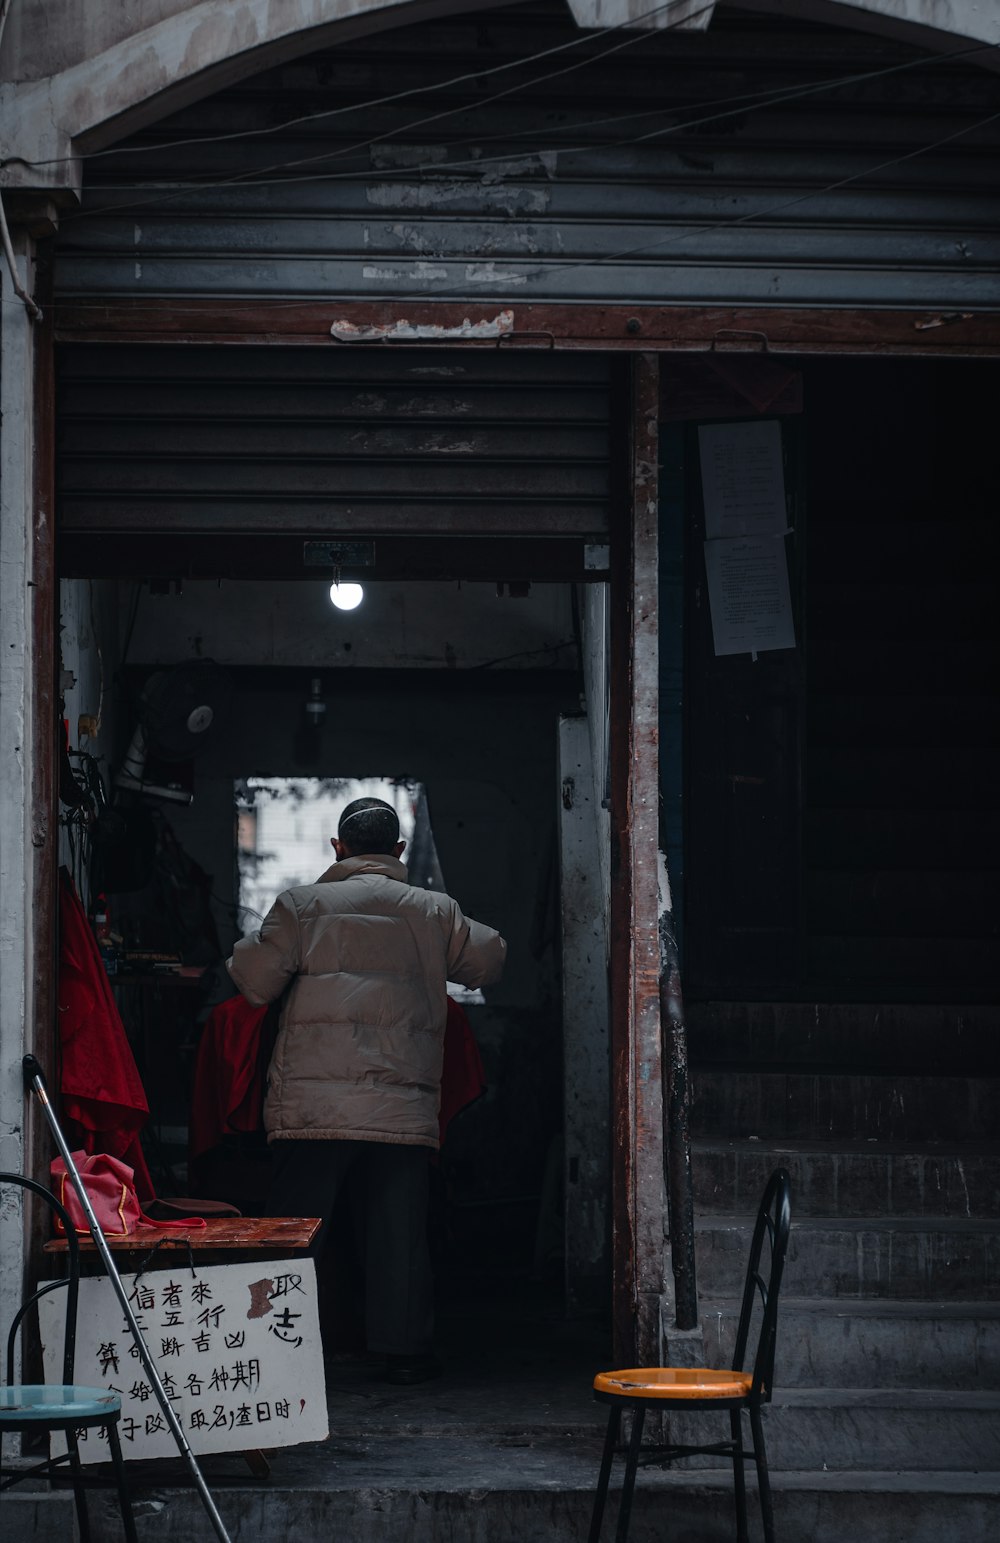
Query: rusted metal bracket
(946, 319)
(548, 338)
(739, 341)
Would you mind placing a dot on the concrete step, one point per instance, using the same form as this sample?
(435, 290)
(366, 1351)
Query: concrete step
(930, 1258)
(868, 1428)
(734, 1103)
(837, 1342)
(469, 1492)
(860, 1178)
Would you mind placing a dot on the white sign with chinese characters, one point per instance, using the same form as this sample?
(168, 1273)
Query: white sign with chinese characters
(237, 1347)
(748, 595)
(742, 479)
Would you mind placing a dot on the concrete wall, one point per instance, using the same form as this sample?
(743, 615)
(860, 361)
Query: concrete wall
(89, 652)
(18, 831)
(47, 37)
(84, 75)
(397, 626)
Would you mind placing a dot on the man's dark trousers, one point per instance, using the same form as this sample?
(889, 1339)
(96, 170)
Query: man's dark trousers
(390, 1185)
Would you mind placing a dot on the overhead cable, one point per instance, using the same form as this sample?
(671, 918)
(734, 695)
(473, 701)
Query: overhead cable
(397, 96)
(545, 271)
(755, 102)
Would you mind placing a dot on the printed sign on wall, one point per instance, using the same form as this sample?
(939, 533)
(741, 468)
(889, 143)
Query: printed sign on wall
(743, 487)
(748, 595)
(742, 479)
(237, 1347)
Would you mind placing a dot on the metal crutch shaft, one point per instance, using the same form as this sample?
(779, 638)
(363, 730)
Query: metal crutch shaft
(34, 1079)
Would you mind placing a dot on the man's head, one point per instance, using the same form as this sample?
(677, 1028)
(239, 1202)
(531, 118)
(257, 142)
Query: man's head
(368, 826)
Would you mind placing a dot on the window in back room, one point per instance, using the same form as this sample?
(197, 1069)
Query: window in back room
(283, 831)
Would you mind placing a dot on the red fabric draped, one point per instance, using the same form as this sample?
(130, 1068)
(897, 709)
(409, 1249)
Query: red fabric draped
(228, 1096)
(230, 1072)
(463, 1078)
(103, 1101)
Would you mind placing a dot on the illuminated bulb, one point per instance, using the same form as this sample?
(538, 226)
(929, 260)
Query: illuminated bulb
(346, 597)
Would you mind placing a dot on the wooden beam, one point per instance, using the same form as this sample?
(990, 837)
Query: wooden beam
(640, 329)
(637, 1096)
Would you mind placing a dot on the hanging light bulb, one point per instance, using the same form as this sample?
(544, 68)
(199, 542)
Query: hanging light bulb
(346, 597)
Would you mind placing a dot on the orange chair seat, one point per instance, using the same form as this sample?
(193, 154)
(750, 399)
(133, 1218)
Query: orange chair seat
(689, 1382)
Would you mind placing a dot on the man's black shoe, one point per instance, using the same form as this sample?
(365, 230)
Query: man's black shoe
(403, 1370)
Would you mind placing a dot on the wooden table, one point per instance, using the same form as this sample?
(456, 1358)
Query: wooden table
(277, 1236)
(222, 1234)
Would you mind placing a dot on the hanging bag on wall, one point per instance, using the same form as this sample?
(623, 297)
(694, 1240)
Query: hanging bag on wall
(111, 1191)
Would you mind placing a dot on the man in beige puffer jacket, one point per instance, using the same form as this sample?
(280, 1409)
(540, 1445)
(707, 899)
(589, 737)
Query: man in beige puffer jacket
(354, 1083)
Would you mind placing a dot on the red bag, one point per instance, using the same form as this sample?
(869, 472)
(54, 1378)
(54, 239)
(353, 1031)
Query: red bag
(111, 1191)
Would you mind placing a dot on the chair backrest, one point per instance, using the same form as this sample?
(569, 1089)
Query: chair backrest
(69, 1282)
(763, 1282)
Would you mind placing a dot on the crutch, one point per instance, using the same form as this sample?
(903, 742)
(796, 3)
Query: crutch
(34, 1081)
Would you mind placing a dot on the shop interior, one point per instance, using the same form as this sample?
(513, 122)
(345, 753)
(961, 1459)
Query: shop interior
(213, 729)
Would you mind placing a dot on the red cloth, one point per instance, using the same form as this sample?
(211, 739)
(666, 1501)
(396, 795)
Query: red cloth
(228, 1095)
(463, 1078)
(103, 1101)
(229, 1073)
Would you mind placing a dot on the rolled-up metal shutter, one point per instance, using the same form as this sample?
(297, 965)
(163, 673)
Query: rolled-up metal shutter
(766, 161)
(332, 440)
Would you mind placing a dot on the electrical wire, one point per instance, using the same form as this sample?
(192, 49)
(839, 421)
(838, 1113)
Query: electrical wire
(549, 649)
(543, 271)
(636, 36)
(753, 102)
(479, 75)
(258, 176)
(790, 203)
(420, 123)
(384, 101)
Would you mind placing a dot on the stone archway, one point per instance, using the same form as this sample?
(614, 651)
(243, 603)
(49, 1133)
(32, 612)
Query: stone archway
(100, 74)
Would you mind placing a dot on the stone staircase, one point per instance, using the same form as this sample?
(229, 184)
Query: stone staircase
(885, 1423)
(887, 1380)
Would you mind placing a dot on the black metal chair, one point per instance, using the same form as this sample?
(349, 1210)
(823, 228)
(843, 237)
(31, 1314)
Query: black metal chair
(690, 1389)
(62, 1406)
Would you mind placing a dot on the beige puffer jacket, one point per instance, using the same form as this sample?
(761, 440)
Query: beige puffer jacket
(358, 1054)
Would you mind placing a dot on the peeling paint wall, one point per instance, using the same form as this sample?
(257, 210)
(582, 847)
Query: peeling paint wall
(586, 1037)
(16, 810)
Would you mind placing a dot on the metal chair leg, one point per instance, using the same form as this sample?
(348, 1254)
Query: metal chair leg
(610, 1442)
(631, 1464)
(763, 1479)
(79, 1493)
(124, 1499)
(739, 1477)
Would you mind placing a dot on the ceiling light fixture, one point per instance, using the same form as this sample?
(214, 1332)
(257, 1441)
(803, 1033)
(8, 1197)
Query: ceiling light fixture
(346, 597)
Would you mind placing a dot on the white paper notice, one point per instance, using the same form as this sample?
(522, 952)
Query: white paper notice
(237, 1347)
(748, 594)
(742, 479)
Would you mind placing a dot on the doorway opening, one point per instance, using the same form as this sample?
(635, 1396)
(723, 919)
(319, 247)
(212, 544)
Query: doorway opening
(208, 500)
(455, 719)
